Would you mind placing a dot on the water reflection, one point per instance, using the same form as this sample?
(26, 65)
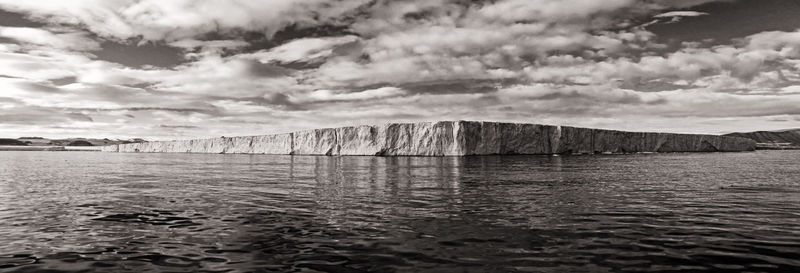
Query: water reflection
(239, 213)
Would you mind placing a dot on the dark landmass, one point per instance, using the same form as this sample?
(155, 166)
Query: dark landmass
(13, 142)
(80, 143)
(41, 141)
(773, 140)
(67, 144)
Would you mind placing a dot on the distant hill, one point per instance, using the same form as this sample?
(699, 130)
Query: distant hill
(10, 141)
(774, 139)
(80, 143)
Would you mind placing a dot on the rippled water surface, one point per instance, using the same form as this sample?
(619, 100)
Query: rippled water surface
(106, 212)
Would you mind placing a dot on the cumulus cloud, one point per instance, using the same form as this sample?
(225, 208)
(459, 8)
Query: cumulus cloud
(757, 63)
(174, 20)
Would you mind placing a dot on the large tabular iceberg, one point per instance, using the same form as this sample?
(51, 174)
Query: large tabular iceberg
(448, 138)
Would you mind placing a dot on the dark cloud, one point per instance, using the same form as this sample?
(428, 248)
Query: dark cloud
(183, 110)
(750, 113)
(260, 41)
(459, 86)
(135, 53)
(34, 115)
(64, 80)
(274, 100)
(582, 97)
(267, 70)
(300, 65)
(79, 117)
(178, 126)
(13, 19)
(210, 111)
(456, 86)
(657, 85)
(38, 87)
(10, 100)
(277, 99)
(144, 86)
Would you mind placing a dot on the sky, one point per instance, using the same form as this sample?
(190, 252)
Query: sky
(185, 69)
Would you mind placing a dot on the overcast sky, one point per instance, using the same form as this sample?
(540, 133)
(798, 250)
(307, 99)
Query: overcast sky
(183, 69)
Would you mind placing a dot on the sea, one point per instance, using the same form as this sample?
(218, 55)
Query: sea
(137, 212)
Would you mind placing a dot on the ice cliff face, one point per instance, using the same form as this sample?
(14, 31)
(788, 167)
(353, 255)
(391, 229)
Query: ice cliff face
(448, 138)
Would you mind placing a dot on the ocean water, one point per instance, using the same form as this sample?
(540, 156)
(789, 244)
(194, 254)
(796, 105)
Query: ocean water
(108, 212)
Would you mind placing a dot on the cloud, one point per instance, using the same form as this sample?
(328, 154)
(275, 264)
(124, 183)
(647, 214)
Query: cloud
(759, 61)
(680, 14)
(666, 4)
(176, 20)
(213, 45)
(512, 11)
(379, 93)
(178, 126)
(226, 76)
(676, 16)
(306, 50)
(787, 44)
(591, 95)
(794, 89)
(34, 115)
(47, 65)
(405, 42)
(67, 40)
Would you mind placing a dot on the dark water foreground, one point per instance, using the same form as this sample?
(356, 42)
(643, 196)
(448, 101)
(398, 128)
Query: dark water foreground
(108, 212)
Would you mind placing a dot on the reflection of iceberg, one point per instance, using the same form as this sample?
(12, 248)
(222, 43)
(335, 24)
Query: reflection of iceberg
(368, 192)
(377, 176)
(357, 190)
(449, 138)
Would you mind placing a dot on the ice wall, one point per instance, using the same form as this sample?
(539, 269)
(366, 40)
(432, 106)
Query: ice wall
(448, 138)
